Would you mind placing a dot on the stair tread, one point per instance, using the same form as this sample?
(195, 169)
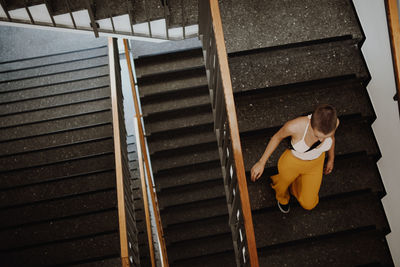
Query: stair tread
(276, 23)
(350, 174)
(180, 100)
(54, 78)
(56, 125)
(181, 138)
(299, 64)
(190, 13)
(347, 249)
(331, 215)
(53, 59)
(55, 89)
(58, 208)
(188, 174)
(153, 8)
(54, 101)
(54, 68)
(178, 119)
(50, 231)
(171, 61)
(263, 109)
(184, 156)
(58, 188)
(191, 193)
(197, 229)
(215, 260)
(60, 253)
(351, 136)
(172, 81)
(200, 247)
(194, 211)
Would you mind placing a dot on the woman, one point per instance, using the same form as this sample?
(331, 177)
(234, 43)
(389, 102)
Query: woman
(300, 167)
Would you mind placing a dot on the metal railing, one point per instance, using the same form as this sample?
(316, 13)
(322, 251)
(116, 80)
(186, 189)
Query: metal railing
(145, 170)
(127, 224)
(226, 129)
(394, 30)
(90, 7)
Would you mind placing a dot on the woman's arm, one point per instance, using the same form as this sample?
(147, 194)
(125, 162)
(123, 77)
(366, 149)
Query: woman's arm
(287, 130)
(331, 155)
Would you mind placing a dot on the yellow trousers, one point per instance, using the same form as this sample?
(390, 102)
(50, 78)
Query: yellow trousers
(303, 177)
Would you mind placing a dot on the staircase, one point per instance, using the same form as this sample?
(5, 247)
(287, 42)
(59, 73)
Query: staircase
(163, 19)
(184, 154)
(285, 57)
(57, 159)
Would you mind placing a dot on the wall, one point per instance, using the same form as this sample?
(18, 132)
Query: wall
(381, 89)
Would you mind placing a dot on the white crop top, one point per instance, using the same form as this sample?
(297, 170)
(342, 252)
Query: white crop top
(300, 148)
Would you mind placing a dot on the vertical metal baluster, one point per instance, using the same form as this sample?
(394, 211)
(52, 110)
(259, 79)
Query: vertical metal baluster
(29, 12)
(91, 15)
(5, 8)
(50, 10)
(70, 12)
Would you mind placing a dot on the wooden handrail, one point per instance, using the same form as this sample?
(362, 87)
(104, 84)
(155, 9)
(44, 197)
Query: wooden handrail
(234, 131)
(394, 30)
(123, 236)
(145, 156)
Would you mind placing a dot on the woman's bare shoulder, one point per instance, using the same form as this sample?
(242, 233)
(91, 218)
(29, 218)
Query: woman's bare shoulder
(297, 124)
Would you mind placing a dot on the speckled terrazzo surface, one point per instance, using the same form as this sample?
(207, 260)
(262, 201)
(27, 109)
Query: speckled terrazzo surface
(258, 24)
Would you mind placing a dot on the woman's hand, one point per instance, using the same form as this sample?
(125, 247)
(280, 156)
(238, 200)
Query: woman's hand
(328, 167)
(257, 170)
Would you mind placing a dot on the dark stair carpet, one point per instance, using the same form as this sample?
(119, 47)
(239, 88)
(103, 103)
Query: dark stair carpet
(285, 58)
(57, 167)
(185, 162)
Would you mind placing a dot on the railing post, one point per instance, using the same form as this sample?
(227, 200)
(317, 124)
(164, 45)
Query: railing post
(394, 31)
(146, 157)
(230, 149)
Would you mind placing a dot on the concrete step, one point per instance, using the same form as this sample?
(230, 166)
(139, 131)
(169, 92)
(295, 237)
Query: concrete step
(190, 174)
(276, 23)
(172, 81)
(200, 247)
(147, 10)
(178, 119)
(197, 229)
(53, 113)
(65, 187)
(191, 193)
(51, 79)
(176, 100)
(367, 247)
(101, 263)
(56, 155)
(57, 125)
(353, 135)
(84, 249)
(189, 16)
(55, 140)
(57, 89)
(54, 231)
(184, 156)
(53, 59)
(214, 260)
(58, 208)
(56, 171)
(351, 173)
(181, 137)
(40, 71)
(270, 108)
(335, 214)
(194, 211)
(284, 66)
(54, 101)
(172, 61)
